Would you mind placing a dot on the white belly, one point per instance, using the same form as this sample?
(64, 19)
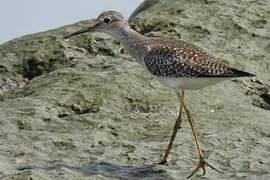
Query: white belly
(189, 83)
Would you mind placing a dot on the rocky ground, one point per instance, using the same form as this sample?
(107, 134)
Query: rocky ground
(79, 109)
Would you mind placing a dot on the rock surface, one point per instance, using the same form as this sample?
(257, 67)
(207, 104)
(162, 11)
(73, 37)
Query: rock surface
(79, 109)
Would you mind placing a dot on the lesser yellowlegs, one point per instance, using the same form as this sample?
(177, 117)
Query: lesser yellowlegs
(175, 63)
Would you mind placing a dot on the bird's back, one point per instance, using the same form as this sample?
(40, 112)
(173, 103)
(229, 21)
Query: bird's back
(174, 58)
(170, 60)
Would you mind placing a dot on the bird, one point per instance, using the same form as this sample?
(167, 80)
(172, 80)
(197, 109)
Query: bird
(177, 64)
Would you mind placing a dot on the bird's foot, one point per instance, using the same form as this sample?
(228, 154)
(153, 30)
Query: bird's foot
(163, 162)
(202, 164)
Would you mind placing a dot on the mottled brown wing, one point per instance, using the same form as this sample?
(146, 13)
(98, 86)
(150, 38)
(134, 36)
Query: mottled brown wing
(179, 59)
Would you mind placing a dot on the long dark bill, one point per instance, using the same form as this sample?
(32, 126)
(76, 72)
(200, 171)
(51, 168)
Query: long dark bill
(79, 32)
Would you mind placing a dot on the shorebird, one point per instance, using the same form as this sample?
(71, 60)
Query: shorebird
(175, 63)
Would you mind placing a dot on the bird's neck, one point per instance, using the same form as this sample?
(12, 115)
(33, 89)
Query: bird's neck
(132, 41)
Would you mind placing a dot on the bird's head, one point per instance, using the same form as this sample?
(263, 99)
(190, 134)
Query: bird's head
(110, 22)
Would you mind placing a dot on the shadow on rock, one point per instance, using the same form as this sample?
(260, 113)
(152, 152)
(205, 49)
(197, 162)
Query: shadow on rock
(110, 170)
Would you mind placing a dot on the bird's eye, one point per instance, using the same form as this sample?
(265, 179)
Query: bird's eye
(107, 20)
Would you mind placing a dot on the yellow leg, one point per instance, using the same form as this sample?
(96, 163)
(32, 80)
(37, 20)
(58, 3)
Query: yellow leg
(175, 129)
(202, 162)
